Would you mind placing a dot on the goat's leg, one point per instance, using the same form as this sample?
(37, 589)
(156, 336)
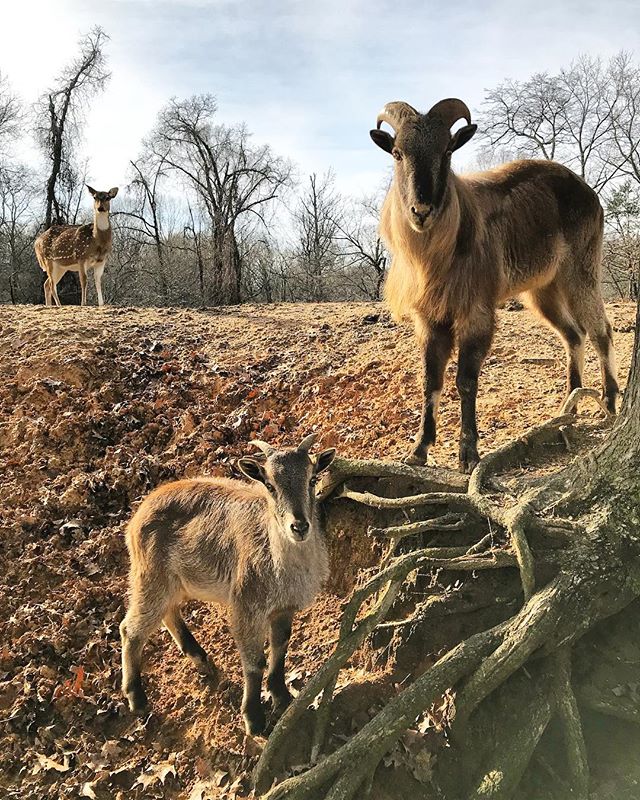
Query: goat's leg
(473, 348)
(249, 630)
(551, 305)
(187, 642)
(142, 619)
(279, 635)
(601, 335)
(437, 343)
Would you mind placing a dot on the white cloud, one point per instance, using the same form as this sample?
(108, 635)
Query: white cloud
(307, 78)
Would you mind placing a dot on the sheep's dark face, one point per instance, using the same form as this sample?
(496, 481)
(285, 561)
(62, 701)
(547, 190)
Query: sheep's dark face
(422, 149)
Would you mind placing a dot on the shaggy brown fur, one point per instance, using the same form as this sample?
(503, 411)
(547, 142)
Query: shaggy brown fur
(462, 244)
(77, 248)
(256, 548)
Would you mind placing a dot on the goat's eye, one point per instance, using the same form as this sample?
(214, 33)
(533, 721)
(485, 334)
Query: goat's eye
(313, 480)
(270, 488)
(396, 154)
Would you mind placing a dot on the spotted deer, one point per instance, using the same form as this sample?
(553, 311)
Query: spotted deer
(77, 248)
(255, 547)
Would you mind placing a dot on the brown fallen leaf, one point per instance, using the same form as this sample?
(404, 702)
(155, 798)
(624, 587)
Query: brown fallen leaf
(45, 763)
(156, 773)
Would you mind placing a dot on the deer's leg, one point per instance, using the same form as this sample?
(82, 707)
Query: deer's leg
(279, 635)
(83, 286)
(187, 642)
(474, 344)
(249, 630)
(144, 616)
(47, 291)
(601, 335)
(437, 343)
(97, 276)
(55, 276)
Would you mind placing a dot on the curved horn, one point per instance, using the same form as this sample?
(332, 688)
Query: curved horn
(266, 448)
(450, 111)
(395, 114)
(307, 442)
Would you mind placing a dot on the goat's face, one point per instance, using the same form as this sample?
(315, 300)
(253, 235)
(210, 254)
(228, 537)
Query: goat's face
(422, 148)
(290, 477)
(102, 200)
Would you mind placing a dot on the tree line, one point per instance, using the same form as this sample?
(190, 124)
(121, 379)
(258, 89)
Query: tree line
(210, 217)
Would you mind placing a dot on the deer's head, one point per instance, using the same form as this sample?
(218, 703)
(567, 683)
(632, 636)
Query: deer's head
(102, 200)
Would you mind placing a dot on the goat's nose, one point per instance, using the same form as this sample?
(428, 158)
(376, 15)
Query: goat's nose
(421, 212)
(300, 527)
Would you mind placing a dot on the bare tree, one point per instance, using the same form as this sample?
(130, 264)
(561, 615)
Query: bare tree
(316, 251)
(625, 112)
(569, 117)
(20, 277)
(362, 248)
(59, 116)
(229, 178)
(622, 243)
(11, 113)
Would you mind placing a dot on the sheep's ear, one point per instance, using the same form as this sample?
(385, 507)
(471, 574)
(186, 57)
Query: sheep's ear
(324, 459)
(252, 469)
(92, 191)
(382, 139)
(113, 192)
(462, 136)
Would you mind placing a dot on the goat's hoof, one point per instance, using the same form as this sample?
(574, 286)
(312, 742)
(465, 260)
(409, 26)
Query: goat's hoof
(415, 459)
(255, 721)
(280, 703)
(138, 702)
(468, 460)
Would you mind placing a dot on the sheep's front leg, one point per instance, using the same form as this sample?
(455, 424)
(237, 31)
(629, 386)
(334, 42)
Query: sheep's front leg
(473, 348)
(279, 636)
(437, 343)
(249, 631)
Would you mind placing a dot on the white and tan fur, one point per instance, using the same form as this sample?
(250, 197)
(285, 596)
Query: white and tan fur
(77, 248)
(256, 548)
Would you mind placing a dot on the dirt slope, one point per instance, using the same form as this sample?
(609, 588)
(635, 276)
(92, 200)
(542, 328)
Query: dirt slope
(99, 406)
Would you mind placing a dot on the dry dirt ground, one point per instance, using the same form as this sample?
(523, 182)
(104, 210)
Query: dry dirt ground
(100, 405)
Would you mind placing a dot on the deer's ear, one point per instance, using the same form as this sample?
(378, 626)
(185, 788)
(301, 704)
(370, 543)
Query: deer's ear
(252, 469)
(324, 459)
(113, 192)
(92, 191)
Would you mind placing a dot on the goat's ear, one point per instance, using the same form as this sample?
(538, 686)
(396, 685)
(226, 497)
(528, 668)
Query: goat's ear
(252, 469)
(462, 136)
(324, 459)
(92, 191)
(113, 192)
(382, 139)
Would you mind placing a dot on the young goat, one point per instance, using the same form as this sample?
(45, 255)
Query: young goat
(256, 548)
(461, 244)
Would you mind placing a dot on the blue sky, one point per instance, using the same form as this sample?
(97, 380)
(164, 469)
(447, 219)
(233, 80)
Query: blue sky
(306, 77)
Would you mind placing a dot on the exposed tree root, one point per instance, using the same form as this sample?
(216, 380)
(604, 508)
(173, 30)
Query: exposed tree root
(585, 581)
